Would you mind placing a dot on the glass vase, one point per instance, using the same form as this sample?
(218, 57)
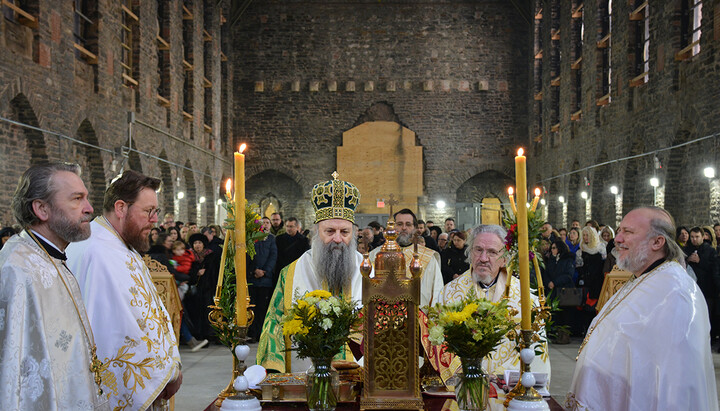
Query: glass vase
(322, 385)
(471, 392)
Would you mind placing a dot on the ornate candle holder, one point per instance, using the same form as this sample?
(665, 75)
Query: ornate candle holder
(523, 396)
(239, 339)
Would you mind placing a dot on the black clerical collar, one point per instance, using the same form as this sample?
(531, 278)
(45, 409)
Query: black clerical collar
(485, 287)
(653, 266)
(49, 247)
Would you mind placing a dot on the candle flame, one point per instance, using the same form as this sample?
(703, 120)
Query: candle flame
(537, 192)
(520, 151)
(228, 185)
(510, 191)
(243, 146)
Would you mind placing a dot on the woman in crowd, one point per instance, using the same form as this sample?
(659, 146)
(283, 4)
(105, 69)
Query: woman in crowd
(573, 243)
(174, 233)
(682, 236)
(153, 236)
(606, 235)
(559, 270)
(204, 274)
(562, 234)
(590, 273)
(453, 258)
(709, 236)
(161, 252)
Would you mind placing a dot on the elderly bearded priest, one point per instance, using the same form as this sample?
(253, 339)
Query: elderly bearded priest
(649, 347)
(134, 335)
(47, 351)
(331, 264)
(487, 276)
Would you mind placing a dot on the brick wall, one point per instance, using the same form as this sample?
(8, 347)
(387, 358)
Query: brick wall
(305, 72)
(679, 103)
(45, 84)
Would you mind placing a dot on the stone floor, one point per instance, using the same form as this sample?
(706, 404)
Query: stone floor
(207, 372)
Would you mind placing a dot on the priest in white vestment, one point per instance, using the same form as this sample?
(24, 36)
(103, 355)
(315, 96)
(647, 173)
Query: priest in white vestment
(649, 346)
(46, 343)
(332, 264)
(487, 276)
(431, 283)
(134, 335)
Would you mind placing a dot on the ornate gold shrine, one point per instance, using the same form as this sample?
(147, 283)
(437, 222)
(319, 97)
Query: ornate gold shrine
(167, 290)
(614, 280)
(391, 332)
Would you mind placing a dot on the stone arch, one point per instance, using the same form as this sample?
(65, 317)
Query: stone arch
(470, 194)
(636, 186)
(380, 111)
(575, 204)
(555, 207)
(167, 193)
(191, 197)
(274, 186)
(209, 205)
(134, 159)
(489, 183)
(23, 112)
(684, 183)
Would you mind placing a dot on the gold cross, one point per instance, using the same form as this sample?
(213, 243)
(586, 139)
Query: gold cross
(335, 175)
(391, 202)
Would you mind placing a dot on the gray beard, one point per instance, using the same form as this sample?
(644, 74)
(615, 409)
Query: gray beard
(404, 239)
(334, 263)
(68, 230)
(636, 262)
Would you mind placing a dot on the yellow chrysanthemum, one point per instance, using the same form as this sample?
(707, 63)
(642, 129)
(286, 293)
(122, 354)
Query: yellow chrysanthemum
(319, 294)
(462, 316)
(293, 327)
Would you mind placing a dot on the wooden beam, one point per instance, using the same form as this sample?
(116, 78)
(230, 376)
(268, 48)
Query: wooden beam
(87, 55)
(24, 18)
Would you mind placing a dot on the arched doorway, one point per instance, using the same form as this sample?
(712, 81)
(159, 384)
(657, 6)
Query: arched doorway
(481, 199)
(272, 189)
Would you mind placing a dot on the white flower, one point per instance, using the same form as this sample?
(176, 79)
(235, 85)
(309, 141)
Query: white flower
(337, 310)
(324, 306)
(312, 300)
(334, 300)
(326, 323)
(437, 335)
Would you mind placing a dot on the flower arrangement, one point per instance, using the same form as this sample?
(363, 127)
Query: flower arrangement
(471, 327)
(228, 333)
(320, 323)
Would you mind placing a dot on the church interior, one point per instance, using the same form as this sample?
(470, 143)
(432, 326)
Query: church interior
(614, 102)
(421, 104)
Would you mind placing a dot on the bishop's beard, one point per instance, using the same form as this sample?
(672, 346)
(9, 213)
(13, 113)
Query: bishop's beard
(334, 263)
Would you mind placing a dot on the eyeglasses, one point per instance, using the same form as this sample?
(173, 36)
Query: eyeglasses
(490, 253)
(151, 212)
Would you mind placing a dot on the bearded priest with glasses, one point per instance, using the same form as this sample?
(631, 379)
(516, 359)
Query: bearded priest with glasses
(134, 335)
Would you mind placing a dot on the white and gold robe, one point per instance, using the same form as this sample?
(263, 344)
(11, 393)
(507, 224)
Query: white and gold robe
(44, 351)
(648, 348)
(133, 332)
(431, 283)
(505, 357)
(298, 277)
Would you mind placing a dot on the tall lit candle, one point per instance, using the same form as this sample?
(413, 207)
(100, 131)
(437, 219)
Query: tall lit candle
(523, 246)
(240, 249)
(512, 200)
(223, 257)
(535, 200)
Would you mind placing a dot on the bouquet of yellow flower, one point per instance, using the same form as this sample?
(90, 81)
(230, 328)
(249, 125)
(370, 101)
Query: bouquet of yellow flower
(471, 327)
(320, 323)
